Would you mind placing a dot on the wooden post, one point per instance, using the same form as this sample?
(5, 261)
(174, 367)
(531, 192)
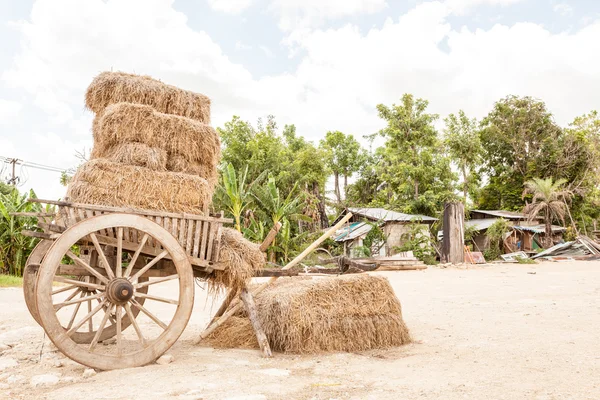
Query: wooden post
(263, 342)
(453, 246)
(235, 308)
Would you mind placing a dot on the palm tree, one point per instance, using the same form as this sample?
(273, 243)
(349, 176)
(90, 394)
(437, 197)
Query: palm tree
(549, 199)
(14, 247)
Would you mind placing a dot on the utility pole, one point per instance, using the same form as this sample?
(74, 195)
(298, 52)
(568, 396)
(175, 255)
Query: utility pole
(13, 180)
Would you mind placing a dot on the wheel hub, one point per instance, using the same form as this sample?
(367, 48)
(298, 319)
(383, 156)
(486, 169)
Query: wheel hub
(119, 291)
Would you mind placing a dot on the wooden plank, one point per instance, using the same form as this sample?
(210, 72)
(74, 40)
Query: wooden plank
(32, 214)
(182, 231)
(202, 251)
(209, 244)
(197, 234)
(189, 236)
(41, 235)
(81, 214)
(216, 243)
(263, 341)
(70, 269)
(128, 210)
(174, 230)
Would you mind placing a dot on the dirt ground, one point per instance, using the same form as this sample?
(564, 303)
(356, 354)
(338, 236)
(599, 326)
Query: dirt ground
(492, 332)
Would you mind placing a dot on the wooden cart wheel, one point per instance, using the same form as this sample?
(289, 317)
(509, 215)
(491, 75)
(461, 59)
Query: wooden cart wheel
(30, 276)
(29, 292)
(162, 318)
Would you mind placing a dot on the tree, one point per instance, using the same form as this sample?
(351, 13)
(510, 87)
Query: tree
(520, 141)
(414, 167)
(343, 158)
(6, 189)
(235, 193)
(549, 199)
(464, 146)
(14, 247)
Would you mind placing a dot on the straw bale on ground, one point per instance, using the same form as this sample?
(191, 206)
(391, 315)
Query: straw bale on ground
(104, 182)
(346, 313)
(138, 154)
(122, 123)
(116, 87)
(242, 259)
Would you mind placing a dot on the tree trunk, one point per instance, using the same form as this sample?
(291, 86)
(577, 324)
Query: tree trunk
(453, 246)
(323, 221)
(337, 187)
(416, 189)
(465, 183)
(549, 242)
(345, 186)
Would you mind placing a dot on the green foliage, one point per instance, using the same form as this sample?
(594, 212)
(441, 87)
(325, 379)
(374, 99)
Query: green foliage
(5, 189)
(234, 193)
(372, 242)
(496, 233)
(343, 155)
(10, 281)
(414, 166)
(464, 146)
(418, 240)
(14, 247)
(549, 199)
(523, 260)
(570, 234)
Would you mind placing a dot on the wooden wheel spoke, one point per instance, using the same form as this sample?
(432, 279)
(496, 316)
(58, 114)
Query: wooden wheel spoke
(79, 283)
(75, 313)
(101, 327)
(119, 261)
(136, 255)
(149, 314)
(155, 281)
(102, 256)
(64, 289)
(138, 331)
(85, 265)
(71, 331)
(119, 315)
(157, 298)
(107, 309)
(90, 321)
(79, 300)
(148, 266)
(72, 295)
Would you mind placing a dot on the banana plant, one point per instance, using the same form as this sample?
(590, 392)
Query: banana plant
(235, 194)
(14, 247)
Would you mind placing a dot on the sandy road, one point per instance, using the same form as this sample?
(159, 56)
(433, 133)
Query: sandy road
(494, 332)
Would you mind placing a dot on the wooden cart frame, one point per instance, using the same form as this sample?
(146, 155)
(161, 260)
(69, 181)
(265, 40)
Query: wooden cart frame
(111, 259)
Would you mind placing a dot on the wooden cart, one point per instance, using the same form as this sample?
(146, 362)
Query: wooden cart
(98, 270)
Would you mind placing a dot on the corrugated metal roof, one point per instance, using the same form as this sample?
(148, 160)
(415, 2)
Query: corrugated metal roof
(381, 214)
(502, 214)
(353, 231)
(480, 224)
(539, 228)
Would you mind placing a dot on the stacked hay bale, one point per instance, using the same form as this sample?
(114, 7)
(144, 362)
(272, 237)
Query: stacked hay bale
(155, 150)
(346, 313)
(153, 147)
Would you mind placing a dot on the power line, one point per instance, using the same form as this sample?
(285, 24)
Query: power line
(14, 179)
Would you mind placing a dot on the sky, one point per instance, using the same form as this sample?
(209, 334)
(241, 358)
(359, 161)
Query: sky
(319, 64)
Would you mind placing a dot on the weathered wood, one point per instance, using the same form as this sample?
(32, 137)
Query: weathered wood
(32, 214)
(263, 341)
(127, 210)
(270, 237)
(454, 233)
(190, 236)
(202, 251)
(197, 232)
(270, 272)
(41, 235)
(235, 308)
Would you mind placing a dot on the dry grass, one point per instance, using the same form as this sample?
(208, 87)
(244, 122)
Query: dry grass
(346, 313)
(181, 137)
(242, 259)
(116, 87)
(108, 183)
(138, 154)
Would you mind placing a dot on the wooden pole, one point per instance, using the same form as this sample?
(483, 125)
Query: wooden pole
(235, 308)
(263, 342)
(453, 247)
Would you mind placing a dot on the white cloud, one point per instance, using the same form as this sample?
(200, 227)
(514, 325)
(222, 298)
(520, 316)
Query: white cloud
(8, 110)
(563, 9)
(230, 6)
(302, 14)
(267, 51)
(239, 45)
(337, 83)
(461, 7)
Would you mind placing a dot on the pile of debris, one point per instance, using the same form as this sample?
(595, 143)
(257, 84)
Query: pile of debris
(582, 248)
